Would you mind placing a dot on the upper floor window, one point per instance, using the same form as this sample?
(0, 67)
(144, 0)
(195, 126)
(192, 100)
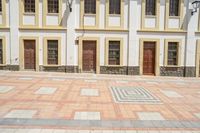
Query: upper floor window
(90, 6)
(52, 48)
(53, 6)
(29, 6)
(150, 7)
(114, 53)
(172, 53)
(114, 6)
(1, 52)
(0, 6)
(174, 8)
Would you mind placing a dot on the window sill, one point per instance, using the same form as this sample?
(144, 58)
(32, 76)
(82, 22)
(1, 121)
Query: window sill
(114, 15)
(172, 66)
(174, 17)
(52, 14)
(51, 65)
(114, 66)
(26, 13)
(150, 16)
(89, 14)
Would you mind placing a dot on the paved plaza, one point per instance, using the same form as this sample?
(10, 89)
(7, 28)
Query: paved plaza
(44, 102)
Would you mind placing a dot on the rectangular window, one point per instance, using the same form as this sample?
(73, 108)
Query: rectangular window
(172, 53)
(0, 5)
(114, 6)
(1, 52)
(52, 48)
(114, 53)
(174, 8)
(53, 6)
(90, 6)
(29, 6)
(151, 7)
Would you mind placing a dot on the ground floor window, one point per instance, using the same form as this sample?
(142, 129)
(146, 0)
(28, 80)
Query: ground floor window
(172, 53)
(114, 53)
(1, 51)
(52, 49)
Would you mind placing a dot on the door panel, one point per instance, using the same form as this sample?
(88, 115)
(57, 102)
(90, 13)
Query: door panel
(89, 56)
(29, 54)
(149, 58)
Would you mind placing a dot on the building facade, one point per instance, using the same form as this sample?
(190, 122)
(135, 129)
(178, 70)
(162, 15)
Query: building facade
(133, 37)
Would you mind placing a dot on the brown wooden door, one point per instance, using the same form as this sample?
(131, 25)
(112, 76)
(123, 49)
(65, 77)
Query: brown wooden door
(149, 58)
(29, 54)
(89, 56)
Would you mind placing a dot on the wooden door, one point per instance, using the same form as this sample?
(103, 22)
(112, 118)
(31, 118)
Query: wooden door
(149, 58)
(29, 54)
(89, 56)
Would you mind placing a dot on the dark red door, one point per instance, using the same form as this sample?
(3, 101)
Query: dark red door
(89, 56)
(149, 58)
(29, 54)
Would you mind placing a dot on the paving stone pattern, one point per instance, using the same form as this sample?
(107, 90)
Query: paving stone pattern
(133, 95)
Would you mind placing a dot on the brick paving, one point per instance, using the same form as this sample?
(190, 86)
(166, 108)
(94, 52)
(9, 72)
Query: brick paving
(38, 100)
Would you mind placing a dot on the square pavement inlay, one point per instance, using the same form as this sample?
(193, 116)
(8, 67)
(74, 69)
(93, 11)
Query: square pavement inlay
(133, 95)
(46, 90)
(5, 89)
(121, 82)
(87, 116)
(150, 116)
(197, 115)
(89, 92)
(90, 81)
(21, 114)
(24, 78)
(171, 94)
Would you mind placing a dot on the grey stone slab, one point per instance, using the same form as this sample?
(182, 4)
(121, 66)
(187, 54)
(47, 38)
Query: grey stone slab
(87, 116)
(186, 124)
(197, 115)
(167, 124)
(20, 114)
(171, 94)
(150, 116)
(25, 78)
(89, 92)
(46, 90)
(5, 89)
(95, 123)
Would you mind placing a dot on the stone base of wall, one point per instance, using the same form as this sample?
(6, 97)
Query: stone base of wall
(119, 70)
(52, 68)
(10, 67)
(172, 71)
(72, 69)
(190, 71)
(133, 70)
(178, 71)
(113, 70)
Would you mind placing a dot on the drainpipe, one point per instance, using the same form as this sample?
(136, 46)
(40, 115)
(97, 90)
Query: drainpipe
(10, 34)
(128, 38)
